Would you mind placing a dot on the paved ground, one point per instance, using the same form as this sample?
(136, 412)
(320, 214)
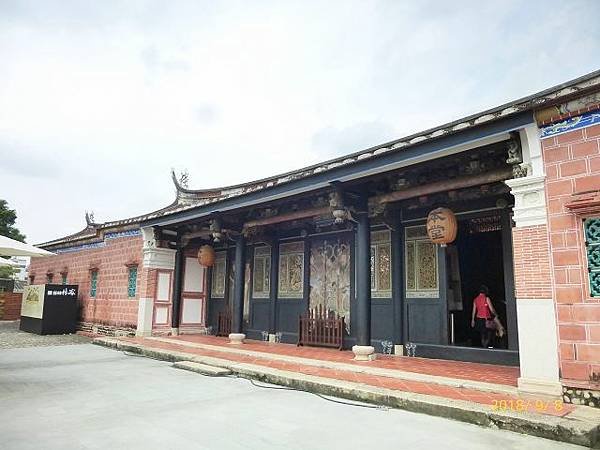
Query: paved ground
(88, 397)
(11, 337)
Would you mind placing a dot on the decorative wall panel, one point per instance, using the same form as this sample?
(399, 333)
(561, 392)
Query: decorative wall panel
(218, 275)
(194, 276)
(421, 264)
(291, 270)
(381, 264)
(163, 287)
(261, 283)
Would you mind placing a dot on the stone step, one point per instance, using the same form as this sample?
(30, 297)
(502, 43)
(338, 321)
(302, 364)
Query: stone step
(390, 373)
(204, 369)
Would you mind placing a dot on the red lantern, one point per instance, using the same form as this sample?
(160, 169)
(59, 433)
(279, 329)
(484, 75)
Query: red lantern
(442, 226)
(206, 256)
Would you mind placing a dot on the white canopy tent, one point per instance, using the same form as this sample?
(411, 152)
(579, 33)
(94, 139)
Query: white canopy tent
(7, 262)
(10, 247)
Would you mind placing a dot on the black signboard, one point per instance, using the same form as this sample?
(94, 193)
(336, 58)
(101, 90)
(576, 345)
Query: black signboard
(49, 309)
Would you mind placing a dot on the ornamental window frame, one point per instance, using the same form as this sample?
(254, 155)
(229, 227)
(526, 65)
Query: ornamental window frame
(592, 253)
(93, 283)
(261, 287)
(218, 276)
(63, 277)
(287, 252)
(381, 242)
(132, 269)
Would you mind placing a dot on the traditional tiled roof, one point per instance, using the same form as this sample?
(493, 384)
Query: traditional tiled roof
(189, 198)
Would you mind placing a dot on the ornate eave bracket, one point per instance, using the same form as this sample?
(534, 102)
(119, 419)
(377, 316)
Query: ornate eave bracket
(530, 200)
(155, 257)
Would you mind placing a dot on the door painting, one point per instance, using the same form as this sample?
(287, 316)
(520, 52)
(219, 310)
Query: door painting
(330, 276)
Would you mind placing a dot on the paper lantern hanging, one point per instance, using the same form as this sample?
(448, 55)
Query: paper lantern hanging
(442, 226)
(206, 256)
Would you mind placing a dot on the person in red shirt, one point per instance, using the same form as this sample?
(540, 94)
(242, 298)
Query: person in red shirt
(483, 311)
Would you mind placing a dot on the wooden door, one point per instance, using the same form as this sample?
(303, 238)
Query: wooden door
(425, 315)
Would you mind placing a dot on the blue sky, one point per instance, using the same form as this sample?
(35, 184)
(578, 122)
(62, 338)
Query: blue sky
(98, 100)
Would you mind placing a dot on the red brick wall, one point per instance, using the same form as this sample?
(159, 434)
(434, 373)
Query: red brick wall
(532, 262)
(572, 162)
(10, 305)
(111, 306)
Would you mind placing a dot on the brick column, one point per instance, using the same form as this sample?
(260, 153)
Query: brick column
(536, 316)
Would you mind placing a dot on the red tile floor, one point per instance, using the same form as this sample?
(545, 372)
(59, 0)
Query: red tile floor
(451, 369)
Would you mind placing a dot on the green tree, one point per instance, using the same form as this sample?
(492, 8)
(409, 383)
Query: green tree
(7, 228)
(7, 272)
(7, 222)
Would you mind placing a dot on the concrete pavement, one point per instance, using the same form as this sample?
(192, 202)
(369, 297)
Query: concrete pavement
(89, 397)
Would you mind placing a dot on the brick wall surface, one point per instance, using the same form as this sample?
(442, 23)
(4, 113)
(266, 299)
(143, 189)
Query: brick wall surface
(10, 305)
(533, 278)
(111, 306)
(572, 162)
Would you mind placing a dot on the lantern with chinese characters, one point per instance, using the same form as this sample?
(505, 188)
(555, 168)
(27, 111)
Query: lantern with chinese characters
(206, 256)
(441, 226)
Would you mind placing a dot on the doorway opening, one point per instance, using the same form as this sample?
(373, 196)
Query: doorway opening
(476, 259)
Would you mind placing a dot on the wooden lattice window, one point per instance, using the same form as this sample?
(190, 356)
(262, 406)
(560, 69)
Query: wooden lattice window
(592, 243)
(217, 287)
(261, 280)
(291, 270)
(63, 276)
(381, 264)
(132, 281)
(93, 283)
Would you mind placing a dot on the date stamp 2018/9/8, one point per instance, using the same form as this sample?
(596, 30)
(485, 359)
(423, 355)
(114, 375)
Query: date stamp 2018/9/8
(520, 405)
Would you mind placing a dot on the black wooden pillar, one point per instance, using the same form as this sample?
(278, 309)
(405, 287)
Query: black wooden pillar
(509, 281)
(237, 317)
(274, 277)
(177, 280)
(363, 279)
(397, 236)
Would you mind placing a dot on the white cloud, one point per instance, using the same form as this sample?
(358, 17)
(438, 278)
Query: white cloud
(108, 96)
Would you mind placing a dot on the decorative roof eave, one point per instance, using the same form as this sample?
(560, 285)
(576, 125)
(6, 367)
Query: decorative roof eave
(95, 231)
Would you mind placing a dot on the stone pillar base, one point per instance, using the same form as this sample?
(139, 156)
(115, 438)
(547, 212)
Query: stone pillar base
(534, 386)
(141, 333)
(174, 331)
(236, 338)
(399, 350)
(363, 353)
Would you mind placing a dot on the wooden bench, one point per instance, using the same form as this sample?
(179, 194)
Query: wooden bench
(224, 323)
(322, 328)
